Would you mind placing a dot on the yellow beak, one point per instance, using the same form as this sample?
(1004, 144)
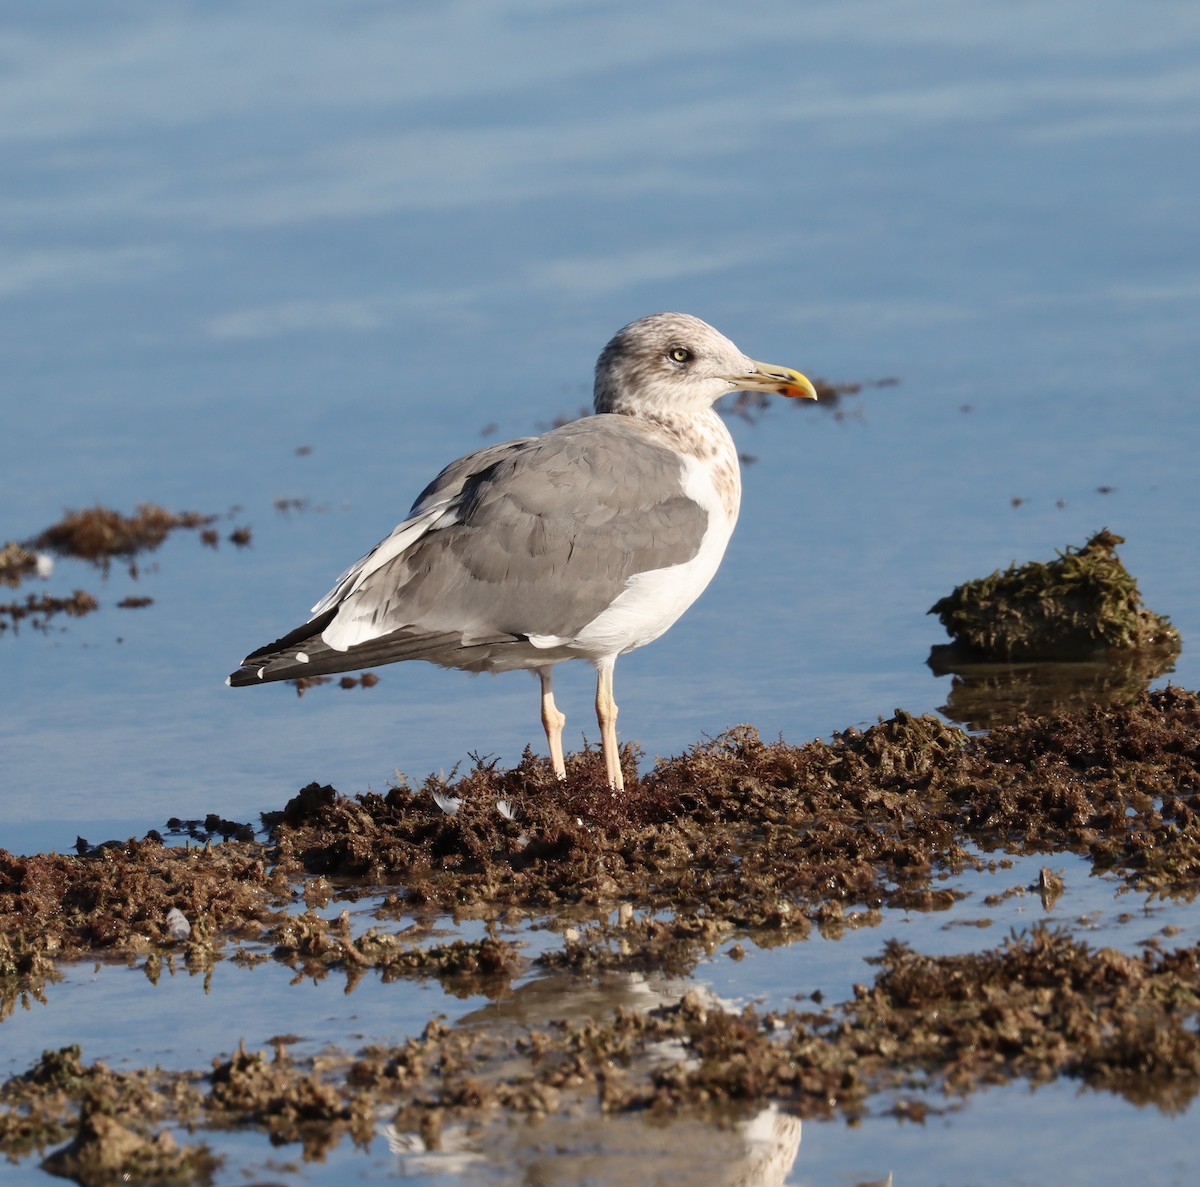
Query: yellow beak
(766, 377)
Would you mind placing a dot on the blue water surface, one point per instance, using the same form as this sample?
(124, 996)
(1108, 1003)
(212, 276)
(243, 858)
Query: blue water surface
(383, 235)
(376, 232)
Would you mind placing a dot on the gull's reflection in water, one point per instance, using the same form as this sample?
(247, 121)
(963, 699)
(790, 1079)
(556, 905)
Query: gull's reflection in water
(580, 1144)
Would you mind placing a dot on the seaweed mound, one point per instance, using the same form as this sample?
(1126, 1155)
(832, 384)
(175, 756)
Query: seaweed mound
(98, 534)
(1080, 606)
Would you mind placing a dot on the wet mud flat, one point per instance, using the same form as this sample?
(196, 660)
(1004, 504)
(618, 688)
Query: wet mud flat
(738, 843)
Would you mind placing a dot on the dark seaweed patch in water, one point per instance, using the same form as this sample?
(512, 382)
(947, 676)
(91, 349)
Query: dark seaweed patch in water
(741, 826)
(751, 835)
(40, 609)
(303, 683)
(1038, 1006)
(16, 563)
(97, 535)
(1072, 608)
(100, 534)
(831, 398)
(110, 1118)
(736, 840)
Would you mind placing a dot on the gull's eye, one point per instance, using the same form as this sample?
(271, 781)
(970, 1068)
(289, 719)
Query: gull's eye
(679, 354)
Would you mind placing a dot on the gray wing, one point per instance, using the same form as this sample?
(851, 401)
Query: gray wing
(435, 499)
(531, 537)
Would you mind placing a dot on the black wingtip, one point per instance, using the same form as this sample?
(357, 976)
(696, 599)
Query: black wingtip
(251, 671)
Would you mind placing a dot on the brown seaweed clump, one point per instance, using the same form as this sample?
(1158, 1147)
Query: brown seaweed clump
(109, 1117)
(765, 835)
(97, 535)
(303, 683)
(39, 609)
(16, 563)
(737, 840)
(1077, 607)
(1040, 1005)
(117, 901)
(100, 534)
(738, 836)
(750, 406)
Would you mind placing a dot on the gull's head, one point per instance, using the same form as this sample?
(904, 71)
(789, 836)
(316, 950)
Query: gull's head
(673, 362)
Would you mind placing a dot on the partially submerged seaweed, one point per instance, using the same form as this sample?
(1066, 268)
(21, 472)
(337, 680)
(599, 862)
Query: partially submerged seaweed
(97, 535)
(1038, 1006)
(110, 1117)
(100, 534)
(1076, 607)
(738, 834)
(17, 563)
(39, 609)
(737, 840)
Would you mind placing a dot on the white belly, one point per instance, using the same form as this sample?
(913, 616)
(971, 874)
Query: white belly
(652, 601)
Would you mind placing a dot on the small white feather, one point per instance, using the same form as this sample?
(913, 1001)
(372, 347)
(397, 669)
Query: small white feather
(177, 924)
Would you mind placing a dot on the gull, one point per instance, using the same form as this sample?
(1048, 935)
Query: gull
(583, 543)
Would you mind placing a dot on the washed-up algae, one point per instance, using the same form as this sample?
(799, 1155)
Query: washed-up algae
(100, 534)
(16, 563)
(753, 831)
(116, 1122)
(751, 834)
(737, 841)
(39, 609)
(1075, 607)
(1038, 1006)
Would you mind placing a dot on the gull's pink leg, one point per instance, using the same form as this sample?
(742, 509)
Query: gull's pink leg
(552, 721)
(606, 715)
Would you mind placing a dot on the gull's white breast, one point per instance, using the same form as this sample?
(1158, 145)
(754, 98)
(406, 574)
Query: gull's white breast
(652, 601)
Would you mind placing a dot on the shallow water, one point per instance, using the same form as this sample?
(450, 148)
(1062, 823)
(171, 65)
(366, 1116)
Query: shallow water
(186, 1019)
(375, 232)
